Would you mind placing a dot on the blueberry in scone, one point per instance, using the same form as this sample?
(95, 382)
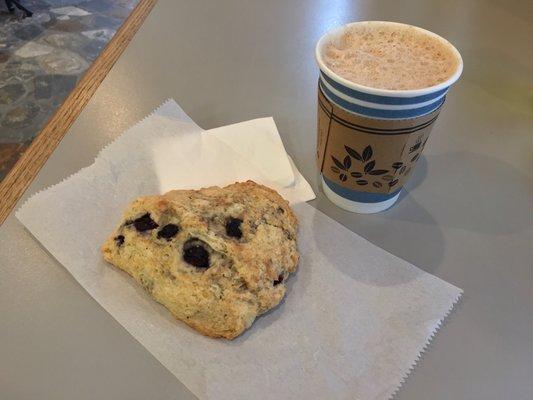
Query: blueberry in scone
(168, 231)
(194, 253)
(216, 258)
(233, 227)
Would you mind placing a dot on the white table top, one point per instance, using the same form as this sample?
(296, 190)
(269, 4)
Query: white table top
(467, 216)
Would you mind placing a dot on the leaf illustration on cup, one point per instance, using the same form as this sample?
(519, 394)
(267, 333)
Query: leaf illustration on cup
(347, 163)
(416, 146)
(396, 166)
(367, 153)
(369, 166)
(344, 166)
(415, 157)
(393, 183)
(338, 163)
(402, 169)
(353, 153)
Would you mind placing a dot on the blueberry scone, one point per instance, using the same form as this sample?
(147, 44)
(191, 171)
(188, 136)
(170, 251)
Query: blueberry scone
(216, 257)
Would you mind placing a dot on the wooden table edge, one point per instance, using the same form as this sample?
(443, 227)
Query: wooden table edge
(32, 160)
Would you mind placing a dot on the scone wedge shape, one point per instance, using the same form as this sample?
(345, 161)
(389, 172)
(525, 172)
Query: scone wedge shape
(216, 258)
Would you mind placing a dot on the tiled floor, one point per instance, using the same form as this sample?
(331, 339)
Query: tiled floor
(42, 58)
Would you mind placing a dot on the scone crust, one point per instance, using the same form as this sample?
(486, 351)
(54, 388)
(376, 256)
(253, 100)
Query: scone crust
(246, 275)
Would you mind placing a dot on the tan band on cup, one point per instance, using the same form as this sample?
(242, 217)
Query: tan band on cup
(367, 154)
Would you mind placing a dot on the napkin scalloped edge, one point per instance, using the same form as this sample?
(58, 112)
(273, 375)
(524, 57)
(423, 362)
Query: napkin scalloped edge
(426, 346)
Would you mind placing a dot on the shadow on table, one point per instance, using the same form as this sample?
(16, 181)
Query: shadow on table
(421, 245)
(474, 192)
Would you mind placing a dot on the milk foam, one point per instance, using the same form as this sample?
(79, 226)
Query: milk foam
(390, 56)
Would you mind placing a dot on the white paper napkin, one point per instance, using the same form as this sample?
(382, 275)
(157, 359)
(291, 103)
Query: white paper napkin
(211, 162)
(353, 323)
(259, 141)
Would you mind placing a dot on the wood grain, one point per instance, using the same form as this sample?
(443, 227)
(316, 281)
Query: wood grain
(25, 170)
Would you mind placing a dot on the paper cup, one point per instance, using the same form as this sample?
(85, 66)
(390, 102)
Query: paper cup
(369, 140)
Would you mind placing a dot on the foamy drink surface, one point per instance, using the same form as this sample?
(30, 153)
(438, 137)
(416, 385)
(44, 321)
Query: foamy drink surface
(390, 56)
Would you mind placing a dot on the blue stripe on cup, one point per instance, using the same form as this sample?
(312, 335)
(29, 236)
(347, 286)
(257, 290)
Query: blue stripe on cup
(384, 100)
(378, 112)
(361, 197)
